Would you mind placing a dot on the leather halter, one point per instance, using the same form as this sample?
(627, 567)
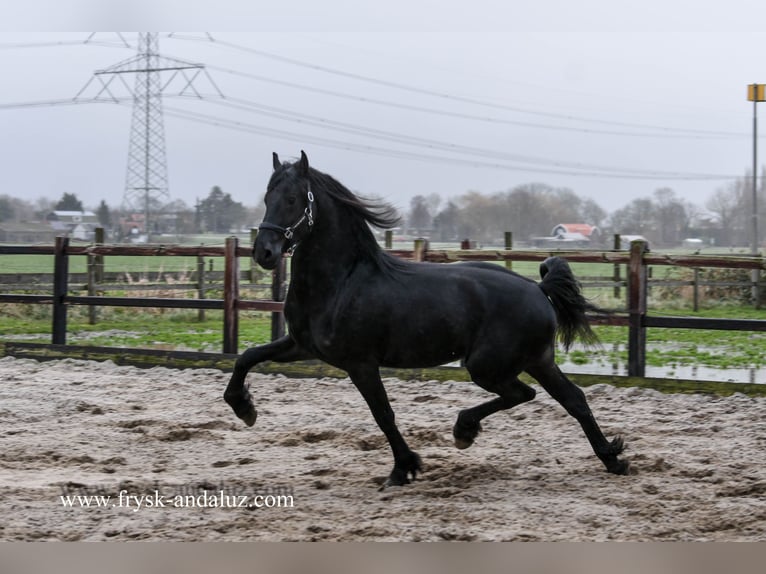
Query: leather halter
(289, 231)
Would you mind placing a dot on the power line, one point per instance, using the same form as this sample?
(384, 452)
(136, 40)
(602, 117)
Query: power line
(122, 43)
(297, 117)
(419, 156)
(656, 131)
(511, 161)
(660, 130)
(668, 133)
(553, 166)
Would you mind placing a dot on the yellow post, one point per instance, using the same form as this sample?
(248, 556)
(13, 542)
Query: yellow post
(756, 93)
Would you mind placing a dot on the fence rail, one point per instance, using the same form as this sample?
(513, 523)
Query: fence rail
(637, 262)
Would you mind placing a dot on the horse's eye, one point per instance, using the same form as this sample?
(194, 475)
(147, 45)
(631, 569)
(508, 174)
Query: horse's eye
(291, 200)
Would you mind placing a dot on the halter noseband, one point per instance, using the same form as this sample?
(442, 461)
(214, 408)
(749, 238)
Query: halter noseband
(289, 231)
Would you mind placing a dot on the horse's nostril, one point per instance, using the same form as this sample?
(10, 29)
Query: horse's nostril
(267, 253)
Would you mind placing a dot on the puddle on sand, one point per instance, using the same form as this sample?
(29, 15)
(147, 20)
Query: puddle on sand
(601, 365)
(692, 373)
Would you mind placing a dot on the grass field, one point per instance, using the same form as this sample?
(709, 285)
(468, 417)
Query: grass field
(121, 264)
(125, 327)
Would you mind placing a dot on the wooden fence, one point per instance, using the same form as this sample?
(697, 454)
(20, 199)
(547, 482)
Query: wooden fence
(637, 262)
(60, 297)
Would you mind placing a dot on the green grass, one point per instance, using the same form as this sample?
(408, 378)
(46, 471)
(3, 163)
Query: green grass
(118, 264)
(150, 329)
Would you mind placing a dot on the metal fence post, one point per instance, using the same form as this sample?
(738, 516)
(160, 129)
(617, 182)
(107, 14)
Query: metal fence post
(508, 247)
(60, 289)
(637, 295)
(230, 296)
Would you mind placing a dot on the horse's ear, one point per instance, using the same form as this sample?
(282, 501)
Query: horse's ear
(303, 164)
(277, 163)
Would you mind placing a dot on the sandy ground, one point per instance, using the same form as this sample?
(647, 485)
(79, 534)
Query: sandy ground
(78, 428)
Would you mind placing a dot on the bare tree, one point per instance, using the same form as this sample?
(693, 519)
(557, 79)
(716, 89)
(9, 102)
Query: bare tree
(672, 221)
(728, 205)
(420, 215)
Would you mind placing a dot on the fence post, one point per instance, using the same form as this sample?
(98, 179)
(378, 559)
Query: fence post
(95, 274)
(637, 295)
(201, 290)
(230, 296)
(508, 247)
(389, 241)
(99, 260)
(278, 277)
(419, 249)
(60, 289)
(617, 245)
(696, 289)
(92, 274)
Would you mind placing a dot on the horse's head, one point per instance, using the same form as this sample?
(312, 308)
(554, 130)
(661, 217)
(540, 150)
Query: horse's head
(290, 211)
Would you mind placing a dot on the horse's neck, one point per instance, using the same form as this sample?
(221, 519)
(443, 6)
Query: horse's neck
(328, 258)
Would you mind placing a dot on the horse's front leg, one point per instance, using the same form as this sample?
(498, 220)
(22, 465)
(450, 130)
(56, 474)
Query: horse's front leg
(406, 462)
(237, 395)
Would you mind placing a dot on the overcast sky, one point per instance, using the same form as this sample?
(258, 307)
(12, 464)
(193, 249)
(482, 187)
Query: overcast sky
(610, 99)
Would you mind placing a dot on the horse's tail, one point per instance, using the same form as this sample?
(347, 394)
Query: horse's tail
(563, 290)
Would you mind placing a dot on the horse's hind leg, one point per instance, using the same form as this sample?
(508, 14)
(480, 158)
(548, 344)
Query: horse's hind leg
(571, 397)
(236, 394)
(511, 393)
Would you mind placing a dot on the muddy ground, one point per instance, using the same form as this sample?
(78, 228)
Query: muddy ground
(315, 458)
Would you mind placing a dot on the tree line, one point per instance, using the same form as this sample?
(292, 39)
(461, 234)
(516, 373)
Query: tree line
(533, 210)
(530, 210)
(216, 213)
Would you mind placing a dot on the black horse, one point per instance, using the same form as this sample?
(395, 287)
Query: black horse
(356, 307)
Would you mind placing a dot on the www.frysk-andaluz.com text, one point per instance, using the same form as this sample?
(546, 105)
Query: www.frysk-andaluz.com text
(176, 496)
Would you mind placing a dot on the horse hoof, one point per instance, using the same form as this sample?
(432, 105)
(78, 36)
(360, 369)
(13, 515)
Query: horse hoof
(462, 443)
(388, 485)
(249, 417)
(622, 468)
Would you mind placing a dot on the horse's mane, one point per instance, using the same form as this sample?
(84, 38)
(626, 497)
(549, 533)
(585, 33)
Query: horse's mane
(376, 212)
(357, 212)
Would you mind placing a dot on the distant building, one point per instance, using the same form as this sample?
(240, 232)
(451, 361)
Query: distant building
(76, 224)
(570, 235)
(589, 232)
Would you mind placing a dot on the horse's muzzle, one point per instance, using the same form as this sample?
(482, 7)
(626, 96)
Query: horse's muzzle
(267, 249)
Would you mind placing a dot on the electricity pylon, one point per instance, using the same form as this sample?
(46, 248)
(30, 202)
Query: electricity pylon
(146, 181)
